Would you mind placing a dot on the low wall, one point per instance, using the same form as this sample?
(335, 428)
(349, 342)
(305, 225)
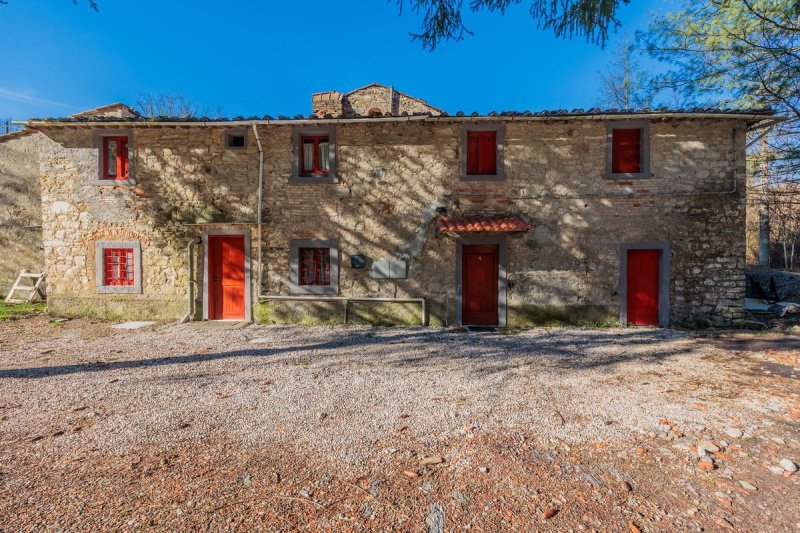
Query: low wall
(117, 308)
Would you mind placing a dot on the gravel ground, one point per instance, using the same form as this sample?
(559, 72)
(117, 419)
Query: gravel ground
(390, 429)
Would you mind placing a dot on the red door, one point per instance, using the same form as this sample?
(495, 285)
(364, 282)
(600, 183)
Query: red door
(642, 287)
(226, 277)
(479, 270)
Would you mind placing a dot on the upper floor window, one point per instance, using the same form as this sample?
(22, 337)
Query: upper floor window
(236, 139)
(314, 155)
(482, 151)
(628, 152)
(314, 158)
(115, 158)
(114, 155)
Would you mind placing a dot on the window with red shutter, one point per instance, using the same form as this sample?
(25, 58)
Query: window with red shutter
(481, 153)
(314, 155)
(626, 151)
(118, 266)
(115, 158)
(314, 266)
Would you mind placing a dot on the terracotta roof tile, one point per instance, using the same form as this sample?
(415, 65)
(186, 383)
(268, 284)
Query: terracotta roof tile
(490, 224)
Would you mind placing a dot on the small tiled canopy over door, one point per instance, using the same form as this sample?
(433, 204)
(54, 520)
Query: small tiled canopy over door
(480, 270)
(642, 287)
(226, 273)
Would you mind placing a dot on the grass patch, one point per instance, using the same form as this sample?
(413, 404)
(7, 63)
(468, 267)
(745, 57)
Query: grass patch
(23, 310)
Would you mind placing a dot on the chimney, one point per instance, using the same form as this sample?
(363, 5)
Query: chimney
(327, 103)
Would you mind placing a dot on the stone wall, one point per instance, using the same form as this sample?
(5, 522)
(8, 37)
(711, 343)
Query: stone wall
(369, 100)
(187, 182)
(327, 103)
(393, 176)
(20, 207)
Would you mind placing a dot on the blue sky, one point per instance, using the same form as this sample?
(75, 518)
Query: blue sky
(253, 59)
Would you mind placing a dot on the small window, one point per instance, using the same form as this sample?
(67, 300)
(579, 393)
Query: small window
(236, 139)
(315, 266)
(314, 155)
(115, 158)
(118, 266)
(626, 151)
(481, 153)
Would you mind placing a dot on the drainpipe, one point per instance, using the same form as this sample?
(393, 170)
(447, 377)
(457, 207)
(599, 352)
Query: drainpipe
(190, 291)
(258, 208)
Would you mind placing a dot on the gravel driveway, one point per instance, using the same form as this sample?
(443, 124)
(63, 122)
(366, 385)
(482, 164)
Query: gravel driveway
(173, 427)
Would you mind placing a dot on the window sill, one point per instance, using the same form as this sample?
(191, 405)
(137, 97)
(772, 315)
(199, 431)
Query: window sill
(639, 176)
(112, 183)
(317, 290)
(301, 180)
(119, 289)
(482, 177)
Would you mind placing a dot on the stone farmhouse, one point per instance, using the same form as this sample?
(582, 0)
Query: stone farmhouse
(378, 207)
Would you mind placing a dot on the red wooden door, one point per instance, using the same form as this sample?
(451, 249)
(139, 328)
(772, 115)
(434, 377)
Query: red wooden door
(479, 271)
(642, 287)
(226, 277)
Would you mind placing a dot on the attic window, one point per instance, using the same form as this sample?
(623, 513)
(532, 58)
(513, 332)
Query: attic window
(482, 152)
(627, 149)
(115, 158)
(314, 157)
(236, 139)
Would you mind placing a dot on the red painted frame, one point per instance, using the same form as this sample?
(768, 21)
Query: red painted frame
(316, 171)
(122, 165)
(118, 266)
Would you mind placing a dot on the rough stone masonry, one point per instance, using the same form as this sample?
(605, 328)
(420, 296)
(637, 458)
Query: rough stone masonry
(398, 164)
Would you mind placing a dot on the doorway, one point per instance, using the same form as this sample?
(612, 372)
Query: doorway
(227, 294)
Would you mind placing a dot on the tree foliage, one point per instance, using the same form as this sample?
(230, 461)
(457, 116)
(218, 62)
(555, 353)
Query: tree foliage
(743, 53)
(443, 19)
(783, 210)
(624, 84)
(168, 104)
(92, 3)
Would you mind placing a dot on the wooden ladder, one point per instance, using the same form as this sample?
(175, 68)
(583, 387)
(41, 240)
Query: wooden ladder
(36, 278)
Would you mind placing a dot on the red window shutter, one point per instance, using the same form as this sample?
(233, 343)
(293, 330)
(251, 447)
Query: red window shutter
(481, 153)
(105, 156)
(473, 143)
(626, 150)
(122, 158)
(488, 153)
